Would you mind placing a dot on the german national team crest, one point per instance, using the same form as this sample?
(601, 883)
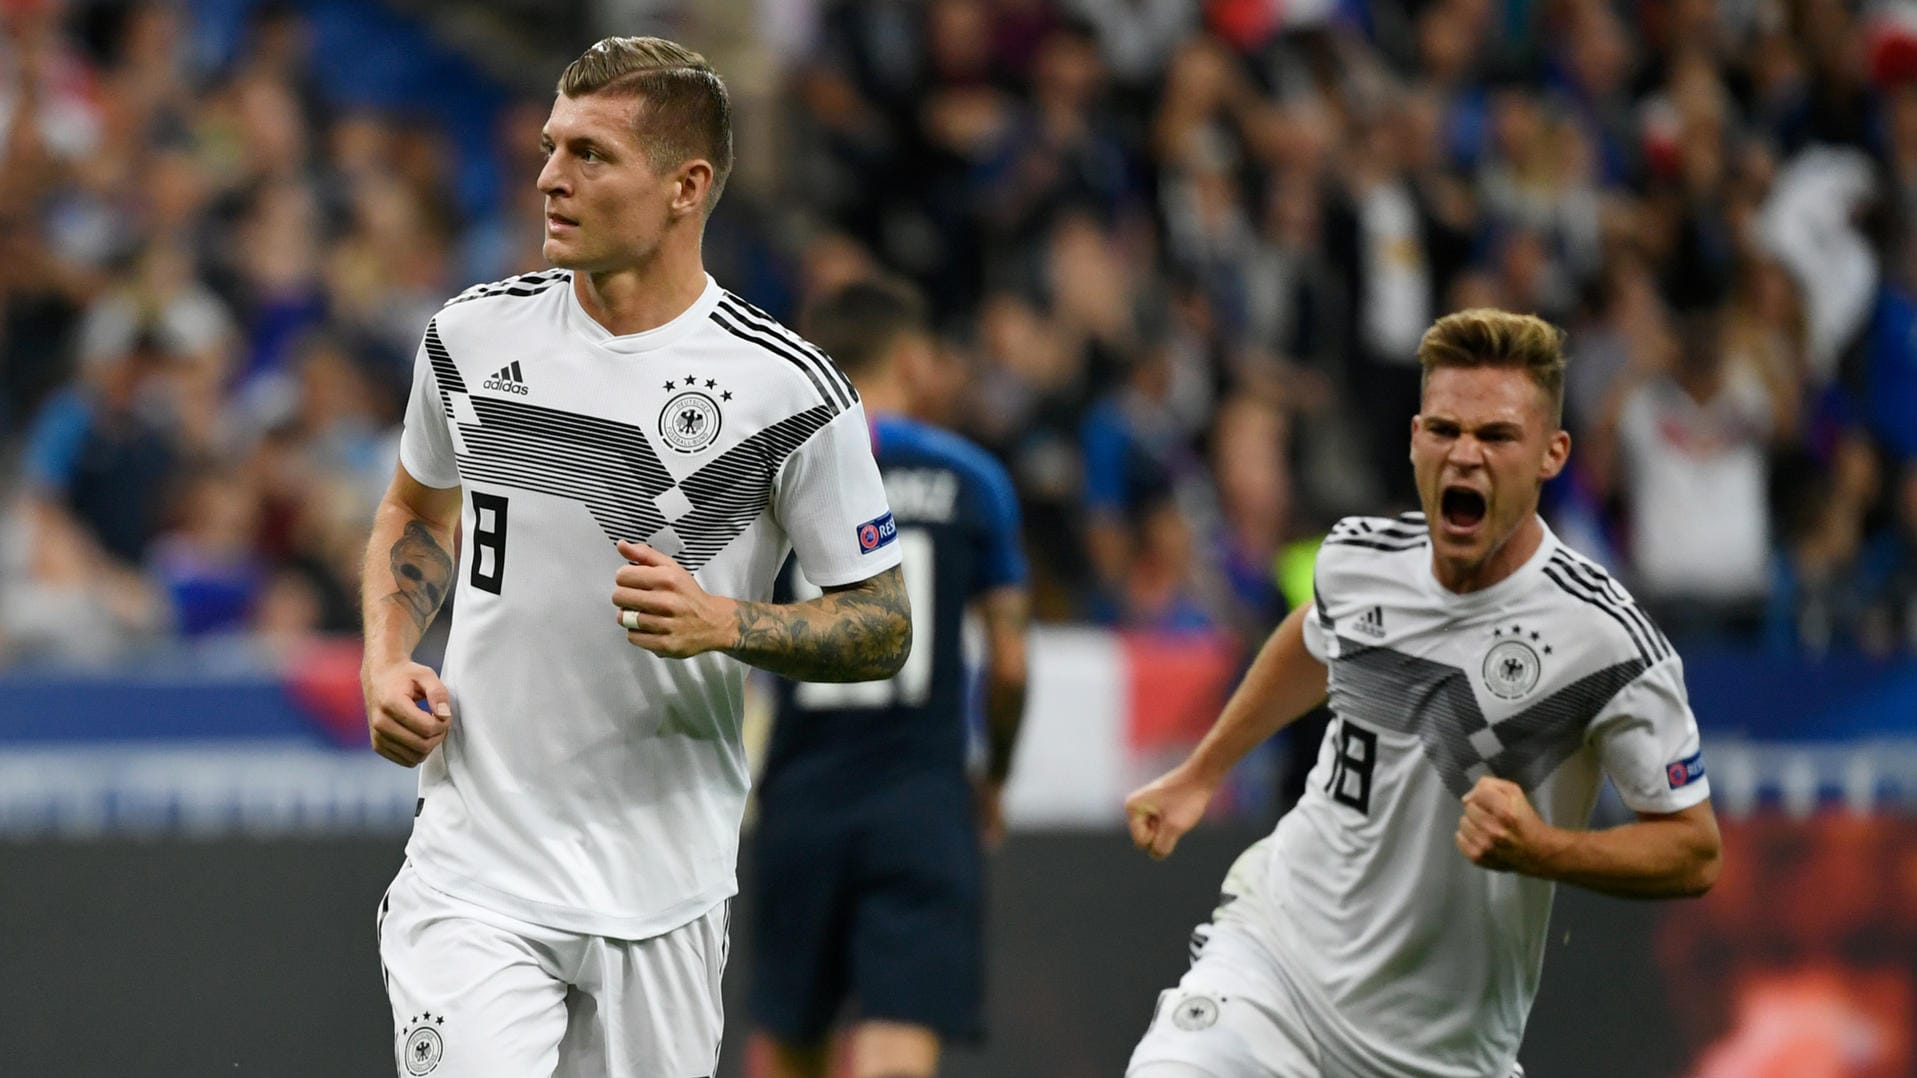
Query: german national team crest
(690, 421)
(421, 1046)
(1513, 666)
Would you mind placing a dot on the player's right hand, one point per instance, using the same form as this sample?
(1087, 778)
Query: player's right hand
(401, 731)
(1161, 811)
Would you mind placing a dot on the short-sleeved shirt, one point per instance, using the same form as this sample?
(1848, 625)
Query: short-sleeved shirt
(958, 534)
(1415, 960)
(587, 784)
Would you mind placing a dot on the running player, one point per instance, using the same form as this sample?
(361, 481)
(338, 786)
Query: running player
(618, 427)
(868, 859)
(1483, 680)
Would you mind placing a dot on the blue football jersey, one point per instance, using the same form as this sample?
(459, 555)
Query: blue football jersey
(955, 520)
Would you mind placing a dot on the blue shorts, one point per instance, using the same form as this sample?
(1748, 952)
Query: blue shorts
(868, 904)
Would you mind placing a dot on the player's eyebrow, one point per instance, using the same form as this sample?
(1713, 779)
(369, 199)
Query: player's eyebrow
(575, 143)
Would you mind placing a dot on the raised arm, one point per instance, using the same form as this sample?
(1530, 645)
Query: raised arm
(856, 632)
(1285, 681)
(407, 573)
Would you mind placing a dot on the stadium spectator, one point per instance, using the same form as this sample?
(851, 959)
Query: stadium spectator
(206, 564)
(1092, 195)
(100, 454)
(1692, 441)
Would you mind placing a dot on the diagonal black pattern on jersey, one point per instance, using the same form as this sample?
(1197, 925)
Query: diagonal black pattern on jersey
(729, 493)
(1549, 732)
(612, 468)
(609, 466)
(1386, 689)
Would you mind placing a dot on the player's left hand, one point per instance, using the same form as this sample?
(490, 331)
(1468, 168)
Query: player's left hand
(664, 610)
(1500, 830)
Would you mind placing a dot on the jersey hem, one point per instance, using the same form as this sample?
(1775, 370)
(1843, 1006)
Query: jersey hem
(862, 572)
(418, 474)
(571, 918)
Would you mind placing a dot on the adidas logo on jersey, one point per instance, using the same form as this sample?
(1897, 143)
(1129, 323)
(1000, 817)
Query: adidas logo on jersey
(1371, 623)
(508, 380)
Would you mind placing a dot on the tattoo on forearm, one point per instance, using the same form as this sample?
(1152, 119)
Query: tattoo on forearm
(858, 633)
(422, 569)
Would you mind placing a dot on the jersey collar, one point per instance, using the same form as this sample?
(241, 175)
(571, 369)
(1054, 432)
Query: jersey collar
(649, 340)
(1515, 584)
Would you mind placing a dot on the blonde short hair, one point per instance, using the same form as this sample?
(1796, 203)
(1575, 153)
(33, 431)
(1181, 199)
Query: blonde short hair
(1486, 337)
(684, 111)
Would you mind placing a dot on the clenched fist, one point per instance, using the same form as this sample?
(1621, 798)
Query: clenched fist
(1163, 810)
(1500, 830)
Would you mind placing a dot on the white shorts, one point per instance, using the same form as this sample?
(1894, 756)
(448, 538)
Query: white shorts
(1230, 1015)
(476, 994)
(1235, 1013)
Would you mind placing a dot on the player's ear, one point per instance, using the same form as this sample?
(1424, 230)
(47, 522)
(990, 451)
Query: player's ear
(691, 183)
(1557, 451)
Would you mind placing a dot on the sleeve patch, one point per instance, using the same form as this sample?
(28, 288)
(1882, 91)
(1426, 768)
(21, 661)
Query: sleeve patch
(1685, 771)
(876, 533)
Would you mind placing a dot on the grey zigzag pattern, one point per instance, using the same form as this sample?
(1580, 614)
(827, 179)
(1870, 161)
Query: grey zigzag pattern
(614, 471)
(1386, 689)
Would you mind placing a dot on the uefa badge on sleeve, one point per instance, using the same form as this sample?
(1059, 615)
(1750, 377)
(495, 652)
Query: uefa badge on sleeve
(876, 533)
(1683, 772)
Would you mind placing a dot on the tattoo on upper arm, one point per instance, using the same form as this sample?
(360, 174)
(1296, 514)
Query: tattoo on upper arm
(422, 569)
(861, 632)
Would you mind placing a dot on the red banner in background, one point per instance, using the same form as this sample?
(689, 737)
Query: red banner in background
(1178, 685)
(1802, 961)
(323, 680)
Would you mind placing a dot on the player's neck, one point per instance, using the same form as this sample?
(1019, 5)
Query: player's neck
(883, 397)
(1462, 578)
(645, 296)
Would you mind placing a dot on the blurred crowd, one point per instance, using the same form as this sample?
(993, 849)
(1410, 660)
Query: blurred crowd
(1180, 252)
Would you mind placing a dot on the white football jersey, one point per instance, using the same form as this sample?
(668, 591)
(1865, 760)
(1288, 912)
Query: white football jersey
(1414, 960)
(587, 784)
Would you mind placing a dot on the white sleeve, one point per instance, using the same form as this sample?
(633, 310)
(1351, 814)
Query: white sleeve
(830, 500)
(426, 441)
(1647, 739)
(1318, 629)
